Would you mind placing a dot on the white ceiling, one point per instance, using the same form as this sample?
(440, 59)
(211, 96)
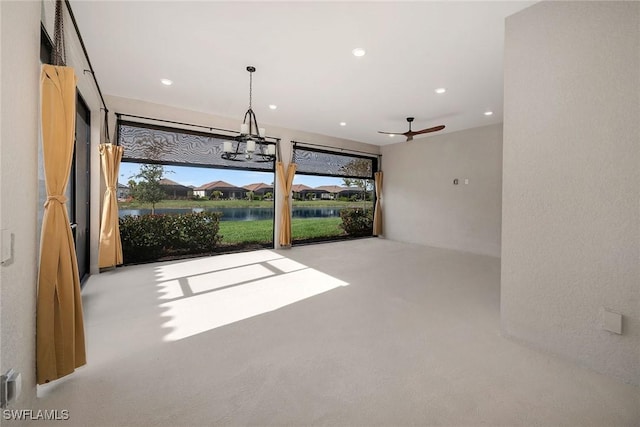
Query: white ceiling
(302, 52)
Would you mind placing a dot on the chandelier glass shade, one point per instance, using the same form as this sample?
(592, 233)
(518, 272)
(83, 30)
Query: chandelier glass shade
(251, 143)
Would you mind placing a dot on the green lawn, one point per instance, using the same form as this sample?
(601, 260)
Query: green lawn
(303, 228)
(235, 232)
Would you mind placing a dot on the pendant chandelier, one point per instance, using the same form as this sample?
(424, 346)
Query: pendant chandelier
(251, 144)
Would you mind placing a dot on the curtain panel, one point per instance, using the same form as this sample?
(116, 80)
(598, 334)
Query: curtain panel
(286, 182)
(377, 211)
(110, 250)
(60, 344)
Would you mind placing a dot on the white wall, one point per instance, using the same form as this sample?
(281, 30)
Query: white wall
(421, 204)
(20, 65)
(156, 111)
(571, 193)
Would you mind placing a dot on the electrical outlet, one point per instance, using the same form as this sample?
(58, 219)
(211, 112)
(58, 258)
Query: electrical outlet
(10, 387)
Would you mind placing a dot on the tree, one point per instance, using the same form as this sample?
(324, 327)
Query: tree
(147, 189)
(250, 196)
(359, 167)
(216, 194)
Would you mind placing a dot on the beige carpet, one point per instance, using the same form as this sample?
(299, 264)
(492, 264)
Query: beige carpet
(358, 333)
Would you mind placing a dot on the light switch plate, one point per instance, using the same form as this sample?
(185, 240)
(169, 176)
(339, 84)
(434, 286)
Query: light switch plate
(612, 322)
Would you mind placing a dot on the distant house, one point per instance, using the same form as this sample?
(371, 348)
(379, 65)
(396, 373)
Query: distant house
(123, 192)
(175, 190)
(300, 191)
(334, 191)
(259, 189)
(328, 192)
(227, 190)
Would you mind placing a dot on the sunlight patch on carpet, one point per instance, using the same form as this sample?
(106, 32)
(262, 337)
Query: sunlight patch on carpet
(200, 302)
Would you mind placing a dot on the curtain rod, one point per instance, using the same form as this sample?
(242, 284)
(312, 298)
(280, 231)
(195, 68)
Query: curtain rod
(86, 55)
(171, 121)
(335, 148)
(181, 123)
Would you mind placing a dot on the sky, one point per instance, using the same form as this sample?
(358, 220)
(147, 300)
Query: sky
(198, 176)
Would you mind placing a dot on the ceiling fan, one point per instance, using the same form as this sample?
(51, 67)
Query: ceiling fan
(410, 133)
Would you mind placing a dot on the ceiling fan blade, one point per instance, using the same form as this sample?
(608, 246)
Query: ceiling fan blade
(433, 129)
(411, 133)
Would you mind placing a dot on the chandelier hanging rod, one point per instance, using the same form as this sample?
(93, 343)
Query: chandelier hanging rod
(251, 144)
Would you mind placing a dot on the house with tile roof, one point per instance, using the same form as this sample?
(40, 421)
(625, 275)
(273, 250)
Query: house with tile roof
(175, 190)
(335, 191)
(259, 189)
(228, 191)
(300, 191)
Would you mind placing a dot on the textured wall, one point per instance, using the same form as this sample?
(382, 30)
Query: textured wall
(571, 223)
(421, 204)
(20, 62)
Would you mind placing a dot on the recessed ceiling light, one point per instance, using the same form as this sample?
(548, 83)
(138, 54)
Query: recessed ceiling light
(441, 90)
(391, 135)
(343, 123)
(358, 51)
(166, 82)
(488, 113)
(272, 106)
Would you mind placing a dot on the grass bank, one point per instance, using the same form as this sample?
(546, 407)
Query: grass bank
(260, 232)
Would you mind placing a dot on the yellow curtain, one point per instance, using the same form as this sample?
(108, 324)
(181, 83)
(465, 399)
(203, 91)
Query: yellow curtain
(377, 212)
(110, 251)
(286, 181)
(59, 324)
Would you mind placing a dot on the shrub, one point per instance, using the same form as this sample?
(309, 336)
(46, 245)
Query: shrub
(357, 222)
(150, 237)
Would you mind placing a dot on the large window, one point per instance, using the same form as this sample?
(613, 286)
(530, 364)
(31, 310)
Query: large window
(333, 195)
(174, 183)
